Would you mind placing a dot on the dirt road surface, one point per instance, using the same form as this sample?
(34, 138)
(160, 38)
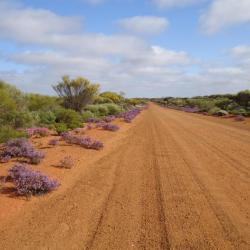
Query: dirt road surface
(175, 181)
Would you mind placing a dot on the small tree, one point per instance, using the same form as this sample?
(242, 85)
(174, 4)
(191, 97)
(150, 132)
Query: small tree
(76, 93)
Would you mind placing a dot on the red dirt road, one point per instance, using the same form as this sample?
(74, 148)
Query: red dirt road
(172, 181)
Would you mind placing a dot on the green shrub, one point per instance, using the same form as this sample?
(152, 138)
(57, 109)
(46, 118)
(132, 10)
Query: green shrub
(38, 102)
(223, 103)
(100, 110)
(71, 118)
(17, 119)
(102, 100)
(11, 97)
(233, 106)
(138, 101)
(7, 133)
(214, 111)
(61, 127)
(103, 110)
(243, 98)
(113, 109)
(239, 111)
(47, 117)
(86, 115)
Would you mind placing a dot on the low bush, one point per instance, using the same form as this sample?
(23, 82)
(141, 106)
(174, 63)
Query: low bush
(61, 128)
(7, 133)
(109, 118)
(30, 182)
(87, 115)
(110, 127)
(67, 162)
(113, 109)
(130, 115)
(214, 111)
(53, 142)
(116, 98)
(5, 158)
(102, 100)
(41, 132)
(100, 110)
(239, 118)
(18, 119)
(94, 120)
(89, 126)
(239, 111)
(47, 118)
(85, 141)
(21, 147)
(191, 109)
(69, 117)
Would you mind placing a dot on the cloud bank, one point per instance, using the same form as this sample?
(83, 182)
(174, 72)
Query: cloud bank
(59, 45)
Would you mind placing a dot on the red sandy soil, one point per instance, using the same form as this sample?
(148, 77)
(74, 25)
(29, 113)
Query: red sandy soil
(169, 180)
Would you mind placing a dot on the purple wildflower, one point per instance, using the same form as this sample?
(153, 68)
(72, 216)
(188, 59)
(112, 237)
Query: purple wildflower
(110, 127)
(30, 182)
(21, 147)
(37, 132)
(53, 142)
(84, 141)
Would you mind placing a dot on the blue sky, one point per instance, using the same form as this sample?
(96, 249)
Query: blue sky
(144, 48)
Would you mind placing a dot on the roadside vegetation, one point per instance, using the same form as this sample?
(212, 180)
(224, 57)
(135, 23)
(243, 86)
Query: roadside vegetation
(237, 105)
(78, 106)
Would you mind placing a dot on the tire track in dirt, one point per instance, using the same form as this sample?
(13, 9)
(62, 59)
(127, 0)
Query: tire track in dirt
(212, 154)
(219, 151)
(139, 213)
(230, 131)
(202, 242)
(230, 230)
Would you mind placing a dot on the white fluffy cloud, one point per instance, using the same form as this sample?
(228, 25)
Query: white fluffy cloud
(148, 25)
(27, 25)
(225, 13)
(242, 53)
(175, 3)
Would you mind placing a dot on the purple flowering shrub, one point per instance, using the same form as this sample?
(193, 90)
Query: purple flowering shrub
(89, 126)
(83, 141)
(53, 142)
(30, 182)
(100, 124)
(21, 147)
(5, 158)
(67, 162)
(78, 130)
(93, 120)
(109, 118)
(38, 132)
(110, 127)
(239, 118)
(191, 109)
(130, 115)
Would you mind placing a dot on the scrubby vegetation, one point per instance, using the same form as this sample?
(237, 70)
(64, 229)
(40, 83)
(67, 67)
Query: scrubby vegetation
(29, 182)
(24, 117)
(237, 104)
(21, 148)
(67, 162)
(84, 141)
(78, 101)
